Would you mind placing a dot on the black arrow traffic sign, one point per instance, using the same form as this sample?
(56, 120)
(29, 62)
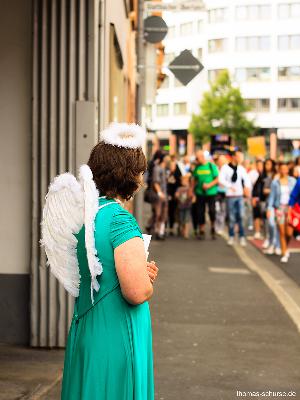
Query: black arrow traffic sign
(155, 29)
(185, 67)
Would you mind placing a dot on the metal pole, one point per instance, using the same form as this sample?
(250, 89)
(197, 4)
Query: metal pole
(138, 200)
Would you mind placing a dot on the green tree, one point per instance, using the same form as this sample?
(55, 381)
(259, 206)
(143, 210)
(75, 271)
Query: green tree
(222, 110)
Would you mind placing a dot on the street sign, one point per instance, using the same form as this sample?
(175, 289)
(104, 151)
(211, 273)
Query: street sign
(257, 146)
(155, 29)
(185, 67)
(220, 144)
(174, 6)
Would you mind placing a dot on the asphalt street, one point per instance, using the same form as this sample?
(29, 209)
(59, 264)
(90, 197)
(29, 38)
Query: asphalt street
(217, 329)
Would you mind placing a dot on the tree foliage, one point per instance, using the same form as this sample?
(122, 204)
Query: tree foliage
(222, 110)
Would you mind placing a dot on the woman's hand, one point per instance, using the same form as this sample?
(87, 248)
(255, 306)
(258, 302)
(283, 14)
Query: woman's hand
(152, 271)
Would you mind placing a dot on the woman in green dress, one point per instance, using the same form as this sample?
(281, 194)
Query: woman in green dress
(109, 348)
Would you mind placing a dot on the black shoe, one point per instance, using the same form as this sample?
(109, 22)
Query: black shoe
(159, 237)
(201, 236)
(213, 234)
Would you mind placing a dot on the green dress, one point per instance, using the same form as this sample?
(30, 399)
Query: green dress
(109, 349)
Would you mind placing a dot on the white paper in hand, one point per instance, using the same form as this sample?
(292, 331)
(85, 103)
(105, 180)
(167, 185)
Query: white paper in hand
(147, 239)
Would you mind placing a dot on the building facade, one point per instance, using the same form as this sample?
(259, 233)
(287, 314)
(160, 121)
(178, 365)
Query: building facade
(258, 43)
(67, 68)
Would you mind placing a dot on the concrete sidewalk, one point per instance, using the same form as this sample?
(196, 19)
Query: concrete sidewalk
(292, 268)
(217, 329)
(29, 374)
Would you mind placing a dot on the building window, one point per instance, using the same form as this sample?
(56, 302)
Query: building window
(200, 25)
(213, 74)
(289, 73)
(258, 105)
(162, 110)
(180, 108)
(295, 42)
(241, 13)
(148, 111)
(283, 42)
(218, 15)
(186, 29)
(253, 12)
(252, 43)
(166, 83)
(291, 104)
(289, 42)
(252, 74)
(289, 10)
(217, 45)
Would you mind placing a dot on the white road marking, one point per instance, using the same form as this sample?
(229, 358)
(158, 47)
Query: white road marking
(224, 270)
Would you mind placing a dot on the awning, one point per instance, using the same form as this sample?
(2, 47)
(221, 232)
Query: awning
(163, 134)
(288, 133)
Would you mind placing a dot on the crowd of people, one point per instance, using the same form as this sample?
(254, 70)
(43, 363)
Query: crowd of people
(232, 191)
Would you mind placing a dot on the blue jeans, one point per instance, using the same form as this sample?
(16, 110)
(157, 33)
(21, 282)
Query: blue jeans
(235, 207)
(273, 234)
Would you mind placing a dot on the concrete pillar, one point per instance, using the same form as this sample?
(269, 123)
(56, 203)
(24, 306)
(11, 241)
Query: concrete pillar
(190, 144)
(155, 144)
(173, 143)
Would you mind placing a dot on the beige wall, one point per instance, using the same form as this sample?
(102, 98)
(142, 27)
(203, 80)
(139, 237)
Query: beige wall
(117, 96)
(15, 135)
(114, 14)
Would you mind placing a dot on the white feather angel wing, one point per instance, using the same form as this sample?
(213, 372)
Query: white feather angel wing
(91, 208)
(63, 216)
(70, 205)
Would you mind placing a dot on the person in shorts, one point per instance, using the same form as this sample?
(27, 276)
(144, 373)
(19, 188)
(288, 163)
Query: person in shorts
(281, 189)
(184, 197)
(159, 180)
(205, 184)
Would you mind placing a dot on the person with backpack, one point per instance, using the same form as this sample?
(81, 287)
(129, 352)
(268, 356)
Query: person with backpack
(281, 189)
(150, 196)
(205, 187)
(160, 185)
(235, 179)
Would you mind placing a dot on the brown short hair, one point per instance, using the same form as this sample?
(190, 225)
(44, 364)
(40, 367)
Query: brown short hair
(116, 169)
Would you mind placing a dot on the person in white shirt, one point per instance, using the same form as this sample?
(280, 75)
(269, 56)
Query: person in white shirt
(184, 165)
(235, 179)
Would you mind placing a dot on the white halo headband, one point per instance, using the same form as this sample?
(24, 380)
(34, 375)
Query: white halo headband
(124, 135)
